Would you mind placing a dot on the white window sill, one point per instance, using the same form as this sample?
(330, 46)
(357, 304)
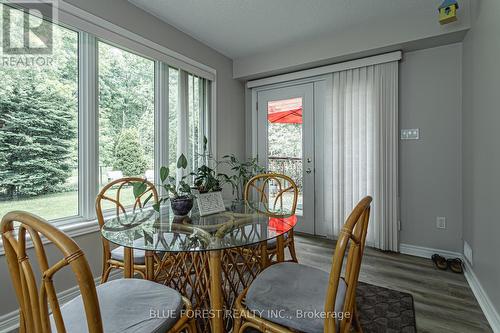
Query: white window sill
(73, 227)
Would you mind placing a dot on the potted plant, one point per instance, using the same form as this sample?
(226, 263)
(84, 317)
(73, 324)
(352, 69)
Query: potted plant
(205, 179)
(243, 171)
(179, 193)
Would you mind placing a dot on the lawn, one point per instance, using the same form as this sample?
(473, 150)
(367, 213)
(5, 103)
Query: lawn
(49, 206)
(58, 205)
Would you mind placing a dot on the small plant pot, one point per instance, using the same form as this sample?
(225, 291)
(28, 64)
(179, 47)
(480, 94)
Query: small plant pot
(181, 206)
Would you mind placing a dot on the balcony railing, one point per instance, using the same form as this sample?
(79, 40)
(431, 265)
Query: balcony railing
(290, 166)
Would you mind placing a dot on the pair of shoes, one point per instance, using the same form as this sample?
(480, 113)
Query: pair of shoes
(442, 263)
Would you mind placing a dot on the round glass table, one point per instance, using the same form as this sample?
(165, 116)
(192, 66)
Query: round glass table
(209, 259)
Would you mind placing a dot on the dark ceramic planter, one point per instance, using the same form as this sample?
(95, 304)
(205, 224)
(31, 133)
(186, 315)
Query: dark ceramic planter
(181, 206)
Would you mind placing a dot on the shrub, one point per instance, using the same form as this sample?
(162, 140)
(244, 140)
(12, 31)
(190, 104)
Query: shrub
(129, 155)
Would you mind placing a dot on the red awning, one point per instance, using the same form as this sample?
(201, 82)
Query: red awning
(286, 117)
(288, 111)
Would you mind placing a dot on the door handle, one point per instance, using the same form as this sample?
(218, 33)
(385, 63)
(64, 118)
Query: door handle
(308, 170)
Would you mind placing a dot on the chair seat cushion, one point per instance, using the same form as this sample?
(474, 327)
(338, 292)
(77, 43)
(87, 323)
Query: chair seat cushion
(127, 306)
(289, 294)
(139, 255)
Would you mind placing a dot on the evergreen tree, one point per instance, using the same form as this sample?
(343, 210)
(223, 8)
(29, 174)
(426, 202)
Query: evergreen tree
(35, 142)
(129, 156)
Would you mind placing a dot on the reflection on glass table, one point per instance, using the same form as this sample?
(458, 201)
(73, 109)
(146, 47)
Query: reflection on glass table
(208, 259)
(240, 225)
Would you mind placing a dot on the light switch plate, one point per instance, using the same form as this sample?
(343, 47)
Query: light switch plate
(410, 134)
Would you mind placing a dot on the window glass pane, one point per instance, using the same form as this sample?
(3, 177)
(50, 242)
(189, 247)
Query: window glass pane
(126, 116)
(285, 144)
(173, 110)
(39, 135)
(195, 132)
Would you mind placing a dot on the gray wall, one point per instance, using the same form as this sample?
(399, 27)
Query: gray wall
(430, 175)
(230, 111)
(378, 35)
(481, 163)
(64, 280)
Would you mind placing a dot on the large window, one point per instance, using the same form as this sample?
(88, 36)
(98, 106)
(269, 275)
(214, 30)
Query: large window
(39, 119)
(126, 114)
(93, 111)
(197, 118)
(189, 116)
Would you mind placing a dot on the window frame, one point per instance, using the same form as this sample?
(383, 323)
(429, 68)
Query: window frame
(92, 29)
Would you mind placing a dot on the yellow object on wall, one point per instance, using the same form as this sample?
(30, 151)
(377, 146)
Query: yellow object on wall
(448, 11)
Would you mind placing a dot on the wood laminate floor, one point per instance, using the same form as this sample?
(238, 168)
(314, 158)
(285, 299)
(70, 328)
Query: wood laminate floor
(444, 302)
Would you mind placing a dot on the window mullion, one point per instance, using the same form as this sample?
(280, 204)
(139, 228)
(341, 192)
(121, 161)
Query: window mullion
(88, 130)
(207, 117)
(201, 117)
(161, 117)
(183, 120)
(211, 96)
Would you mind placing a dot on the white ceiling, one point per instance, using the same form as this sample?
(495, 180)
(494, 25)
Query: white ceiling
(239, 28)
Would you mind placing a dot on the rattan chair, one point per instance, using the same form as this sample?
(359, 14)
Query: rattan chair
(114, 259)
(124, 304)
(282, 298)
(273, 191)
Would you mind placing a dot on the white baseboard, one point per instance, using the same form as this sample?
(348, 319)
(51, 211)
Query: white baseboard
(484, 301)
(426, 252)
(482, 298)
(10, 321)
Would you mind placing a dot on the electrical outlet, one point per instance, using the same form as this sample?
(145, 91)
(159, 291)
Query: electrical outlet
(441, 222)
(468, 252)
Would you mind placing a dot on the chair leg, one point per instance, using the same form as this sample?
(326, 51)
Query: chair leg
(237, 324)
(22, 327)
(105, 273)
(355, 321)
(192, 326)
(291, 248)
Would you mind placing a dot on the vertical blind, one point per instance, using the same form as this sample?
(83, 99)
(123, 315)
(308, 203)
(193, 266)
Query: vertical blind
(360, 151)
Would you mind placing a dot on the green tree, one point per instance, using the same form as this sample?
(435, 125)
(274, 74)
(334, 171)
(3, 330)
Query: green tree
(126, 100)
(38, 144)
(129, 155)
(36, 141)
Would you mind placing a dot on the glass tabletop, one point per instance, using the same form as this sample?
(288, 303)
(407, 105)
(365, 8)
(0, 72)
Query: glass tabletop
(243, 224)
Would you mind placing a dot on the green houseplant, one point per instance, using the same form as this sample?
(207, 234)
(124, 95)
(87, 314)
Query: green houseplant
(179, 193)
(205, 178)
(242, 171)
